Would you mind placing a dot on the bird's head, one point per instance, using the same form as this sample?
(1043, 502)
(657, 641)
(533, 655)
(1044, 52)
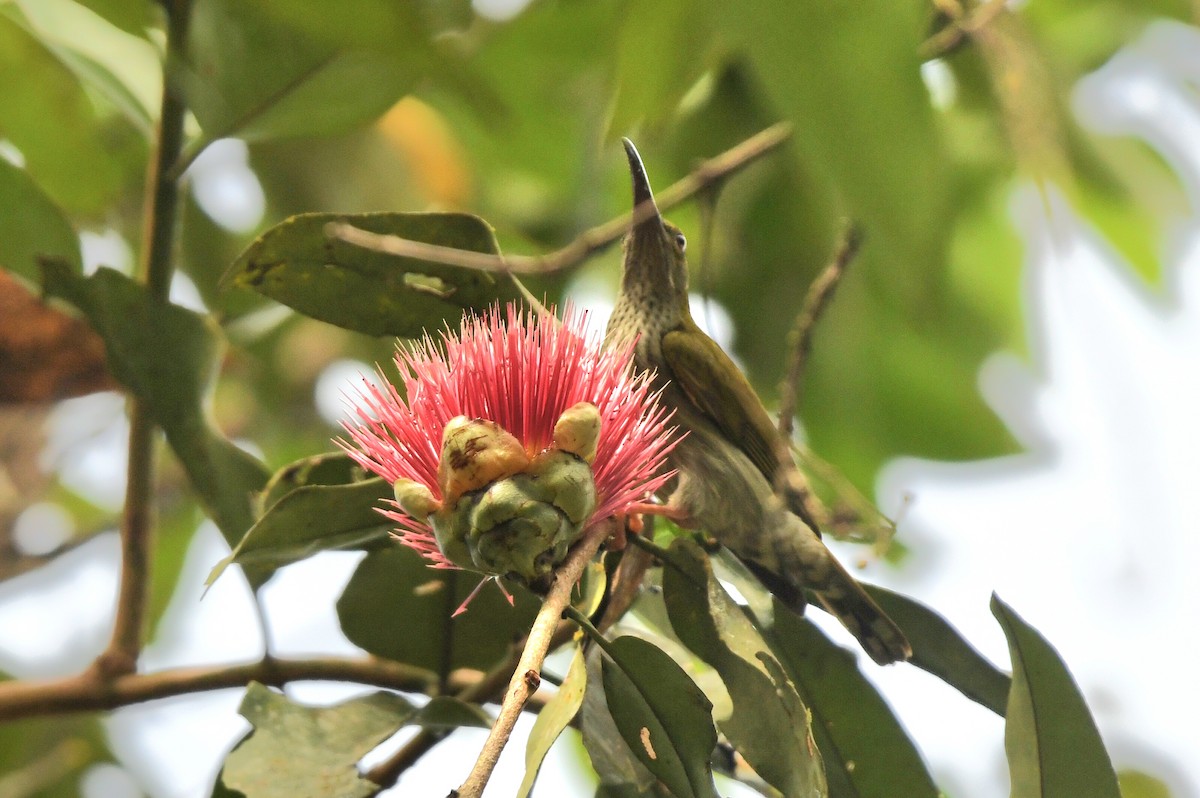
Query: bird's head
(654, 248)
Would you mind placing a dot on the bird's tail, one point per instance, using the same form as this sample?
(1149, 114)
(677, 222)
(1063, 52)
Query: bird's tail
(800, 560)
(878, 634)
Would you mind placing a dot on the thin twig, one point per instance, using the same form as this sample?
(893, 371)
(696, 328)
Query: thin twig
(30, 562)
(959, 28)
(527, 676)
(156, 268)
(820, 293)
(490, 687)
(89, 693)
(588, 243)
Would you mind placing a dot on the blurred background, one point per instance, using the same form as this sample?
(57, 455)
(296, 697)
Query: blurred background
(1009, 369)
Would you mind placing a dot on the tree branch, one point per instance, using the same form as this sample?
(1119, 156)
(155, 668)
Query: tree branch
(89, 692)
(527, 675)
(816, 301)
(386, 773)
(162, 200)
(590, 241)
(961, 26)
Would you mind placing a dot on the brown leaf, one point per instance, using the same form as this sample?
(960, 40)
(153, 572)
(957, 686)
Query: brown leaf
(45, 354)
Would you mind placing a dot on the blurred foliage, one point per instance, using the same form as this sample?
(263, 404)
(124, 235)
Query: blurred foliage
(916, 120)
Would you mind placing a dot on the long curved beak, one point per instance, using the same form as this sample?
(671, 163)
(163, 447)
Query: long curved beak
(645, 212)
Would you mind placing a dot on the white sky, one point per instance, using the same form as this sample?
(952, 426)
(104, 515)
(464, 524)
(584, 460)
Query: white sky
(1090, 535)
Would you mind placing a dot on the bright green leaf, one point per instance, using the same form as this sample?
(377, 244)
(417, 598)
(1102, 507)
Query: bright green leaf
(373, 24)
(852, 87)
(555, 716)
(1054, 749)
(662, 715)
(31, 225)
(663, 50)
(769, 724)
(121, 66)
(297, 264)
(395, 606)
(1135, 784)
(867, 753)
(939, 649)
(45, 756)
(46, 115)
(309, 519)
(311, 751)
(131, 16)
(1129, 195)
(164, 354)
(255, 76)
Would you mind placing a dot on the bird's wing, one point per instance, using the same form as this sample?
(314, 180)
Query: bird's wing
(722, 393)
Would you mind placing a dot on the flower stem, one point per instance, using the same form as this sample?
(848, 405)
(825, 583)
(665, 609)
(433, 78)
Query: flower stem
(526, 677)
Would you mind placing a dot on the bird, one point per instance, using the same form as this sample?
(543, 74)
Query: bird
(736, 477)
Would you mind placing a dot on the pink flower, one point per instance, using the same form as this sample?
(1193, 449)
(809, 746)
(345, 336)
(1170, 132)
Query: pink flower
(520, 370)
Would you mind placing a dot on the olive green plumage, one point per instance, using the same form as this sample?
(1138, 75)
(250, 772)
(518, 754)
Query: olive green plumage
(737, 479)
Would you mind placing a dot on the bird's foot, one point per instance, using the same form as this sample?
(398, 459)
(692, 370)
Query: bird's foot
(674, 513)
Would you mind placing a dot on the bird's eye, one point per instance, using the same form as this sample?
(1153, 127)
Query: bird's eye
(681, 242)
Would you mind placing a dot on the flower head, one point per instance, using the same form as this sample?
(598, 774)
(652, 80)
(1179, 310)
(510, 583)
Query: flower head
(505, 409)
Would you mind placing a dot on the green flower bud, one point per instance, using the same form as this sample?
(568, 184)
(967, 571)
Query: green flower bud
(415, 499)
(476, 453)
(521, 525)
(578, 430)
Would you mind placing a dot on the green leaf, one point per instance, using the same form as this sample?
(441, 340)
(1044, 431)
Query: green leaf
(123, 68)
(307, 514)
(620, 772)
(31, 225)
(131, 16)
(395, 606)
(769, 724)
(165, 355)
(555, 716)
(1135, 784)
(662, 715)
(1054, 749)
(664, 48)
(536, 154)
(297, 264)
(853, 88)
(1128, 194)
(311, 751)
(67, 149)
(939, 649)
(44, 757)
(867, 753)
(255, 75)
(448, 712)
(330, 468)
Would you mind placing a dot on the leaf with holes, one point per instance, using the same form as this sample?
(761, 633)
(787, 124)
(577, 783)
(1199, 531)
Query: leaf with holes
(297, 264)
(867, 753)
(311, 751)
(662, 715)
(768, 724)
